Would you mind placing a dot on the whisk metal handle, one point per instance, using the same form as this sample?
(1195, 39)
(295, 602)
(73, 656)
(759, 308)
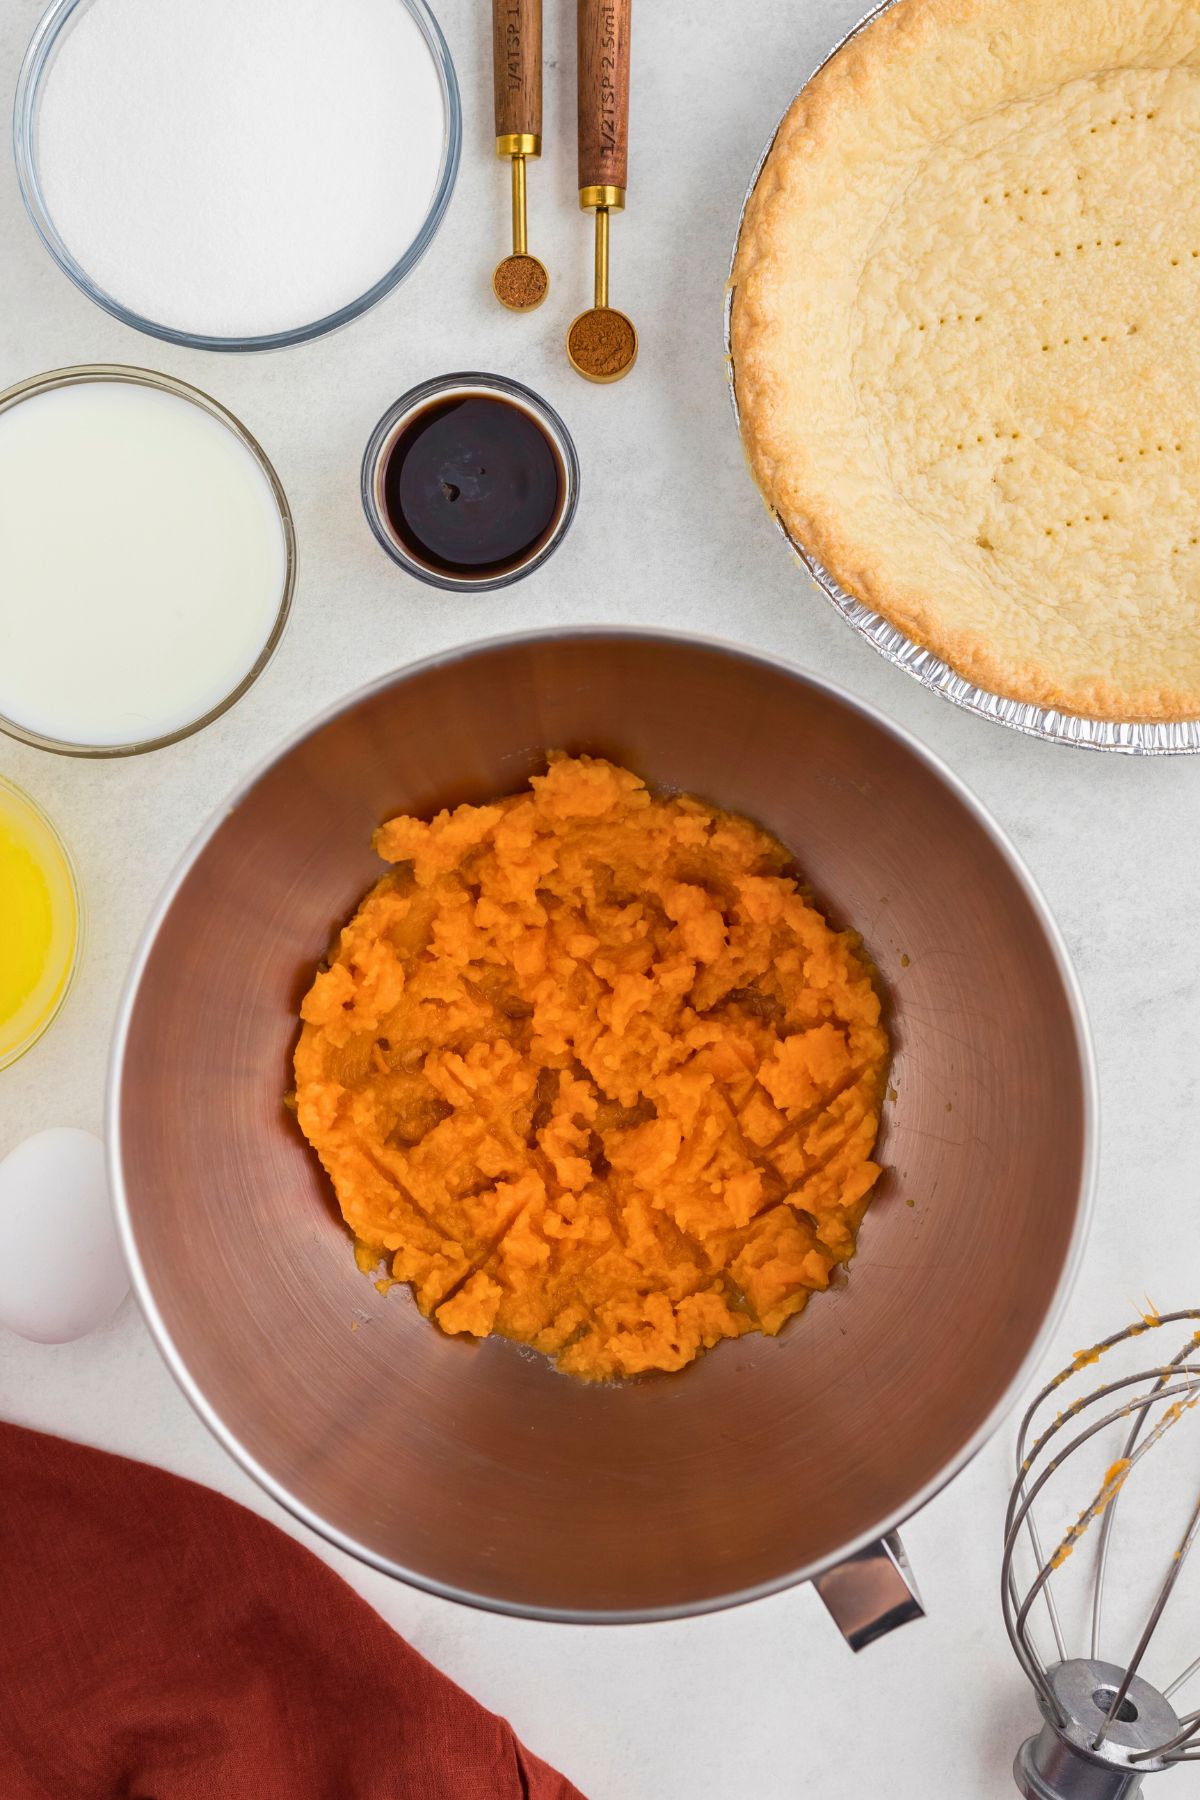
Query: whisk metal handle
(871, 1593)
(1049, 1769)
(1065, 1761)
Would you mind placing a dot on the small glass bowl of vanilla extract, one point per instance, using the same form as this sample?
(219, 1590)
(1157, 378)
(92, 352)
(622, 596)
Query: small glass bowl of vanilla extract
(470, 481)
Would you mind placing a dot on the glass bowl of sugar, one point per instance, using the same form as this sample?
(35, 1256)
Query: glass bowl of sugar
(237, 177)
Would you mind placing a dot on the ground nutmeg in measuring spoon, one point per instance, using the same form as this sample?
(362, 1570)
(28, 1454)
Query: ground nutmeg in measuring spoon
(602, 342)
(520, 283)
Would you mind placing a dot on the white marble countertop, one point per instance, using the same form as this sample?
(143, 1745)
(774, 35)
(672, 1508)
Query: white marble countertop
(766, 1699)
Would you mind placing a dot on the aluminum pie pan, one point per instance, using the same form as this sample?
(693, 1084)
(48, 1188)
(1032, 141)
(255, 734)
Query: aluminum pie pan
(1132, 737)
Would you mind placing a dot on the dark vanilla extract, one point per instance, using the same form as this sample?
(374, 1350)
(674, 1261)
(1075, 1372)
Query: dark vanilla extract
(473, 487)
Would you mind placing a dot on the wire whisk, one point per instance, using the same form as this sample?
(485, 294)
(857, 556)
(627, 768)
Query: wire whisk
(1106, 1727)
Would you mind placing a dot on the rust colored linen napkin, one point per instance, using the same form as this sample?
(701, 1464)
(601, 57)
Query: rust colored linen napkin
(159, 1642)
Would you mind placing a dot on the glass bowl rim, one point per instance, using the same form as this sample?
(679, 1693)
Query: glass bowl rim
(35, 66)
(80, 373)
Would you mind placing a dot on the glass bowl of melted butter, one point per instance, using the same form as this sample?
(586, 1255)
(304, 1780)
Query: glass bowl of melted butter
(41, 922)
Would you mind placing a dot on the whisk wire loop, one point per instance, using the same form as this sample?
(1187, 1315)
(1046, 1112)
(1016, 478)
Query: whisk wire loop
(1107, 1522)
(1105, 1726)
(1173, 1687)
(1156, 1613)
(1016, 1611)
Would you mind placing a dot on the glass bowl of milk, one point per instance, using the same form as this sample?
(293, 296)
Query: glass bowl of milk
(235, 176)
(147, 560)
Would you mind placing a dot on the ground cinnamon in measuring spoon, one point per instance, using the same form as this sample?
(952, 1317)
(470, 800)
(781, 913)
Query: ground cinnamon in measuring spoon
(602, 341)
(520, 281)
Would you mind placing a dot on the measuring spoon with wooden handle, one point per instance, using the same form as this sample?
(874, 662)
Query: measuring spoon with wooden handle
(520, 281)
(602, 343)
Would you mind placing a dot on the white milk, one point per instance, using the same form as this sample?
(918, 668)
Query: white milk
(142, 563)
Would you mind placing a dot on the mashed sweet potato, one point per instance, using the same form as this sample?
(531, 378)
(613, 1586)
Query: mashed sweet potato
(590, 1072)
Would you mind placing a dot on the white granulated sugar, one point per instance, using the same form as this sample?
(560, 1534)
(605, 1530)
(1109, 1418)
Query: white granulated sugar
(235, 168)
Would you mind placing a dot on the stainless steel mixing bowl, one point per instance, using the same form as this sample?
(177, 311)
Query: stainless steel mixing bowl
(475, 1470)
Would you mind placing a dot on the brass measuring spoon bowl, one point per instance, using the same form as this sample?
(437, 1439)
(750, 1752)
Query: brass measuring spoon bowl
(520, 274)
(612, 363)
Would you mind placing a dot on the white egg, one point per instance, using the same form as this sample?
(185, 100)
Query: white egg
(61, 1269)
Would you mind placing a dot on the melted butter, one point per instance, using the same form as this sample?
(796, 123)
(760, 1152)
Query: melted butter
(39, 924)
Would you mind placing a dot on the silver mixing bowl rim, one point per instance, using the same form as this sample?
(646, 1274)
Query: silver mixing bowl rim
(245, 1457)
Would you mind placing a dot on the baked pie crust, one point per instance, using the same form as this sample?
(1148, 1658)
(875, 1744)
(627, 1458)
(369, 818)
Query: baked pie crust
(966, 340)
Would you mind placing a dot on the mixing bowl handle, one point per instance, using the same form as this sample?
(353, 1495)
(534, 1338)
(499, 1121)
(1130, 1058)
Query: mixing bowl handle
(871, 1593)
